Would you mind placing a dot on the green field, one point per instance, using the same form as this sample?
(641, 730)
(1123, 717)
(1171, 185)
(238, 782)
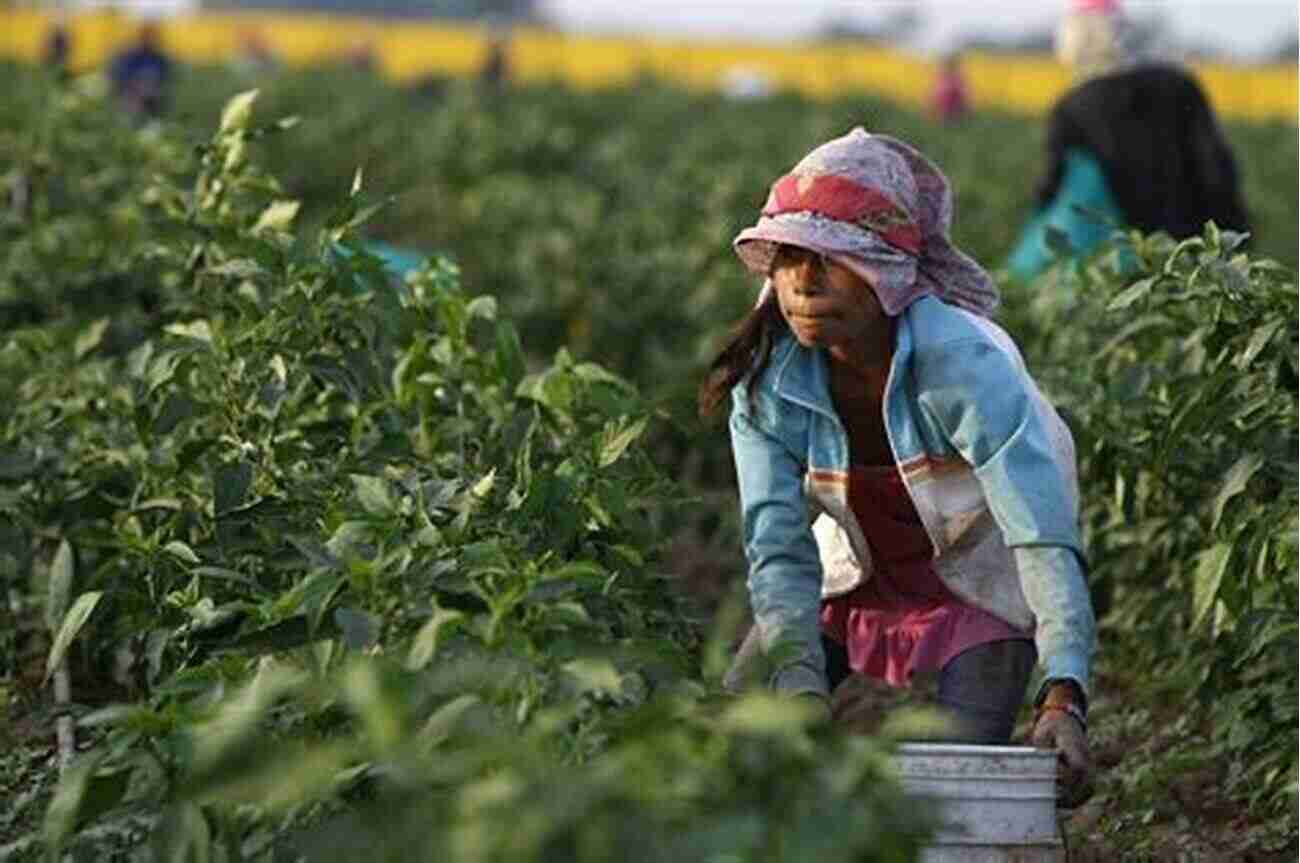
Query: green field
(310, 560)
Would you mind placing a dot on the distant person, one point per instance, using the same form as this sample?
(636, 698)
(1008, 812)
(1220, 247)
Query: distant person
(57, 48)
(254, 56)
(950, 99)
(495, 71)
(1132, 145)
(140, 75)
(360, 56)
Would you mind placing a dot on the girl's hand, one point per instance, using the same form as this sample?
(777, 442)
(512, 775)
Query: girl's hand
(1059, 724)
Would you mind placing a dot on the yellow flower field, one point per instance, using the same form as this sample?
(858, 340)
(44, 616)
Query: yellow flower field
(408, 50)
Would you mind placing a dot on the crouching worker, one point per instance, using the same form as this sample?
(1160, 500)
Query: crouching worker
(908, 496)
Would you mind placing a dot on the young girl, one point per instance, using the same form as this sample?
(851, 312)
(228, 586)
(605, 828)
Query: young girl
(908, 496)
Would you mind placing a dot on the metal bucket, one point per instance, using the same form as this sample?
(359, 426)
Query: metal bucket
(996, 804)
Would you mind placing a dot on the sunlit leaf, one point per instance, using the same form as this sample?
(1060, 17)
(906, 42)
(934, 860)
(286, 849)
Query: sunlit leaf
(1234, 483)
(443, 722)
(89, 338)
(1211, 565)
(484, 307)
(375, 703)
(615, 445)
(198, 330)
(239, 108)
(73, 621)
(62, 570)
(594, 675)
(1259, 340)
(483, 487)
(425, 644)
(278, 216)
(768, 714)
(181, 550)
(1131, 294)
(374, 494)
(237, 268)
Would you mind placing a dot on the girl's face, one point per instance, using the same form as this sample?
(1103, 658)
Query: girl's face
(824, 303)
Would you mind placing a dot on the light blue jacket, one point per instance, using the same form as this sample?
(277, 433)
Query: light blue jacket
(986, 459)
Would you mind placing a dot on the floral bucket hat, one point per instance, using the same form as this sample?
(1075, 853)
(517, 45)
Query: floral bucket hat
(877, 206)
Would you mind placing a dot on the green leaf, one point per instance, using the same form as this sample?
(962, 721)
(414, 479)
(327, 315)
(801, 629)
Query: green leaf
(274, 777)
(137, 362)
(161, 369)
(197, 330)
(175, 410)
(237, 268)
(230, 485)
(181, 550)
(226, 575)
(89, 338)
(182, 835)
(1234, 483)
(375, 700)
(73, 621)
(444, 721)
(482, 307)
(278, 216)
(62, 571)
(117, 715)
(237, 112)
(483, 487)
(767, 715)
(1210, 567)
(374, 494)
(1131, 294)
(287, 634)
(1230, 240)
(62, 815)
(595, 675)
(359, 629)
(578, 570)
(1230, 277)
(1259, 340)
(425, 644)
(598, 374)
(103, 793)
(509, 356)
(615, 445)
(18, 464)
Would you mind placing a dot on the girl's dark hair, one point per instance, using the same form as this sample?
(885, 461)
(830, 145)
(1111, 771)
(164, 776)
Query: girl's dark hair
(747, 352)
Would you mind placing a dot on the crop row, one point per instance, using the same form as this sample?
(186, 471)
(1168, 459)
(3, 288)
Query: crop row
(356, 561)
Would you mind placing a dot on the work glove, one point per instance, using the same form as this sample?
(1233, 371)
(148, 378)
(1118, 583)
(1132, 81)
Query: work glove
(750, 669)
(1061, 724)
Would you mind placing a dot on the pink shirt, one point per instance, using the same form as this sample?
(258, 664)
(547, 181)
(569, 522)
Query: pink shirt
(903, 619)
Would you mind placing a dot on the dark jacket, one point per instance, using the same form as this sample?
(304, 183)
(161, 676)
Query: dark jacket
(1161, 150)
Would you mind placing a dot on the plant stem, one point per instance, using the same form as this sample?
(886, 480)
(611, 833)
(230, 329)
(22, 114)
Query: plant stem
(63, 726)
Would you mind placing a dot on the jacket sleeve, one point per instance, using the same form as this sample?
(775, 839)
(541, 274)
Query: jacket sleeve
(993, 415)
(784, 567)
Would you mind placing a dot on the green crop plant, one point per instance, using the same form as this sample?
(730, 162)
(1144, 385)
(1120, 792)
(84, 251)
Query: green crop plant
(334, 567)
